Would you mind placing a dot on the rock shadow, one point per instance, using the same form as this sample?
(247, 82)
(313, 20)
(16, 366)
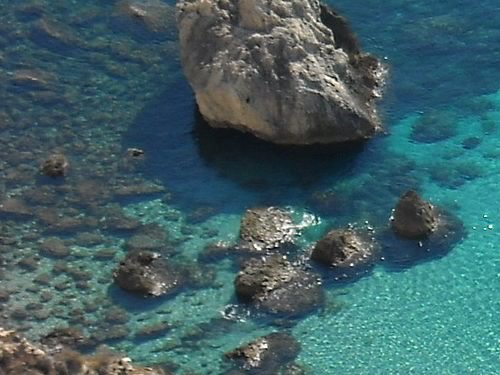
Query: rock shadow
(226, 168)
(399, 254)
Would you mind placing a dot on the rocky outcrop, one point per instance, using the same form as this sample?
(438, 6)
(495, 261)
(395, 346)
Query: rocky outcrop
(420, 232)
(274, 285)
(346, 251)
(414, 218)
(289, 72)
(267, 354)
(146, 273)
(266, 229)
(18, 356)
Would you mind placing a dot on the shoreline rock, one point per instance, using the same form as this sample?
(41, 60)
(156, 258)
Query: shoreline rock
(19, 356)
(287, 72)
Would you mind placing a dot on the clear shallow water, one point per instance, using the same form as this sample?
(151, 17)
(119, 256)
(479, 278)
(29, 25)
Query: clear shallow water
(107, 86)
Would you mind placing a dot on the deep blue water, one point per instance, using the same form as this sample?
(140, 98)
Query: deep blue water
(106, 82)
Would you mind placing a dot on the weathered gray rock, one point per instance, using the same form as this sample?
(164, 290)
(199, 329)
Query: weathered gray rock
(289, 72)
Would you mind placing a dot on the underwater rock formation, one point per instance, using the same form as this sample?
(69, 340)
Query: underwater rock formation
(18, 356)
(274, 285)
(413, 217)
(287, 72)
(56, 165)
(146, 273)
(346, 251)
(267, 354)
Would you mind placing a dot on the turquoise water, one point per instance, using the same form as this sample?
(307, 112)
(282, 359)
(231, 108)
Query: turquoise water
(105, 82)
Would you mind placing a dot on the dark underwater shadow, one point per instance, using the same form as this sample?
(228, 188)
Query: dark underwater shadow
(226, 169)
(135, 303)
(399, 254)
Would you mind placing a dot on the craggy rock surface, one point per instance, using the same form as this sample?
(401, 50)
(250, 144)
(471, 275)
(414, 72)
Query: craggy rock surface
(56, 165)
(266, 228)
(274, 285)
(345, 249)
(147, 274)
(18, 356)
(413, 217)
(289, 72)
(420, 231)
(266, 354)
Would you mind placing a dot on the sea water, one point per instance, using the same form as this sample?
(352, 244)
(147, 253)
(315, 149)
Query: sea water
(102, 82)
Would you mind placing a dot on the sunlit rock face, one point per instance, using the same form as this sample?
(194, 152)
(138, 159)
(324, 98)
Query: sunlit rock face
(289, 72)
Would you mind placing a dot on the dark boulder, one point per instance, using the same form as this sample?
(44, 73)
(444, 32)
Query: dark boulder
(347, 251)
(56, 165)
(267, 354)
(420, 232)
(413, 217)
(146, 273)
(274, 285)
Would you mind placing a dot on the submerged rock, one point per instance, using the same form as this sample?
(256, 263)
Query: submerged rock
(274, 285)
(147, 274)
(287, 72)
(346, 251)
(155, 15)
(267, 354)
(434, 126)
(413, 217)
(56, 165)
(18, 356)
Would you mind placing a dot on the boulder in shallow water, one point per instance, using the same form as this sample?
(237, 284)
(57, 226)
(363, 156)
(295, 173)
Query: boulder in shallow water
(414, 218)
(346, 251)
(274, 285)
(288, 72)
(420, 232)
(267, 354)
(146, 273)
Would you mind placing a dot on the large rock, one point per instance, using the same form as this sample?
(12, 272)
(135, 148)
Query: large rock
(414, 218)
(274, 285)
(146, 273)
(289, 72)
(267, 354)
(347, 251)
